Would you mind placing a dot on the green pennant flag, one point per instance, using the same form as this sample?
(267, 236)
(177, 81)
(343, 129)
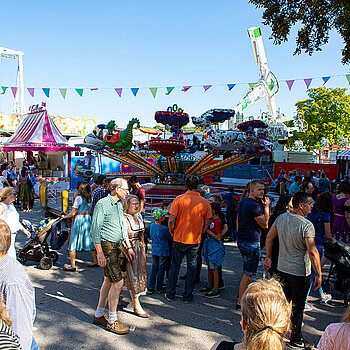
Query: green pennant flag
(80, 91)
(347, 77)
(4, 88)
(251, 85)
(169, 90)
(153, 91)
(63, 92)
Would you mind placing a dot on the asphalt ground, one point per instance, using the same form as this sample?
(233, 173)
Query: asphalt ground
(66, 302)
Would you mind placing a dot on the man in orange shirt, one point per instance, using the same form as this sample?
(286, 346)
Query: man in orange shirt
(192, 214)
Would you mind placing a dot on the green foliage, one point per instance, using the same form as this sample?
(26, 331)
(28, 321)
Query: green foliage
(327, 112)
(317, 18)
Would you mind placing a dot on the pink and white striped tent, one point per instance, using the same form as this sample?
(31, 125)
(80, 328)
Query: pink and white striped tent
(37, 132)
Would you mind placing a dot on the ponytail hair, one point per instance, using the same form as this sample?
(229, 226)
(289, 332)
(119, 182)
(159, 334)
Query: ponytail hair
(6, 192)
(266, 314)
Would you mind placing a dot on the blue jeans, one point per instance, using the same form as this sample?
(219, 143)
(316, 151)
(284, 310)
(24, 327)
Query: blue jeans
(157, 272)
(231, 224)
(251, 256)
(179, 252)
(313, 273)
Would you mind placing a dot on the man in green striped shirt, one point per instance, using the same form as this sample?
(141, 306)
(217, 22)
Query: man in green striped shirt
(108, 233)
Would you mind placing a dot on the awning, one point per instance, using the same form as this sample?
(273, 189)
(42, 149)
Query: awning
(344, 155)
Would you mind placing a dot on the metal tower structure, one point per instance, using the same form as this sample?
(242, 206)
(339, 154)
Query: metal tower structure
(19, 106)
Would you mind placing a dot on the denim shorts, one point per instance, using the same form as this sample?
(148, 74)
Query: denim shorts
(251, 256)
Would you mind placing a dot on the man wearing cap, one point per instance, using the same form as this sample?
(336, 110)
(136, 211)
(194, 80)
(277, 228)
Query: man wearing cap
(192, 214)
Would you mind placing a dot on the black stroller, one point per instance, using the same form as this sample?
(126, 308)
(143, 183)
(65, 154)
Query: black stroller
(339, 273)
(37, 249)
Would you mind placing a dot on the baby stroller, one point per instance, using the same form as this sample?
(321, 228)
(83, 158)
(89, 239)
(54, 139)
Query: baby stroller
(37, 248)
(339, 273)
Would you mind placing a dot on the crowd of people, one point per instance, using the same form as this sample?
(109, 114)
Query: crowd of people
(108, 221)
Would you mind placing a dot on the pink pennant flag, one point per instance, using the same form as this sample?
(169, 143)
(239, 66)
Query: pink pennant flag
(207, 87)
(290, 84)
(93, 89)
(119, 91)
(186, 88)
(308, 82)
(31, 91)
(14, 91)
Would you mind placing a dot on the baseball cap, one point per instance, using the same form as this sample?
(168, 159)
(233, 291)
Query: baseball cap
(159, 213)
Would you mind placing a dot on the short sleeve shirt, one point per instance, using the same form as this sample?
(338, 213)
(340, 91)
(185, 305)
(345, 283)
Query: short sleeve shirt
(293, 255)
(77, 202)
(190, 210)
(216, 225)
(294, 188)
(248, 229)
(140, 194)
(318, 220)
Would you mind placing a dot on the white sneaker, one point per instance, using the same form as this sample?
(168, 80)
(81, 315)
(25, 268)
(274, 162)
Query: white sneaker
(308, 307)
(325, 299)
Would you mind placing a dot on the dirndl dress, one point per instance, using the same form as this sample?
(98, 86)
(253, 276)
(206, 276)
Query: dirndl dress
(79, 235)
(135, 278)
(340, 227)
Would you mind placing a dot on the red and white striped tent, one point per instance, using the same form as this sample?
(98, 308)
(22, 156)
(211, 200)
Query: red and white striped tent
(344, 155)
(37, 132)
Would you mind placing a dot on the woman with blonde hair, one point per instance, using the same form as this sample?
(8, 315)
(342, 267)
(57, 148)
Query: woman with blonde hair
(265, 318)
(10, 215)
(8, 339)
(136, 271)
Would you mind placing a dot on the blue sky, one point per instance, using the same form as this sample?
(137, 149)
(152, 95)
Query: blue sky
(124, 44)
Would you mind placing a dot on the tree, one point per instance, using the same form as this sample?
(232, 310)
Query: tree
(317, 18)
(327, 112)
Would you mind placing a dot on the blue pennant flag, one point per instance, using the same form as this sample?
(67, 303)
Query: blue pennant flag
(46, 92)
(325, 79)
(135, 91)
(231, 86)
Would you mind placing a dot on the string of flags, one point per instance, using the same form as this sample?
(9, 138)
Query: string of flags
(154, 90)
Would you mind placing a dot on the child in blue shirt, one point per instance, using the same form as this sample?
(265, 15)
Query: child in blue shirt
(160, 237)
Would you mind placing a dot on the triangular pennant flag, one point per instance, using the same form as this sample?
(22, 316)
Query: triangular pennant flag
(186, 88)
(153, 91)
(169, 90)
(93, 89)
(135, 91)
(46, 91)
(348, 77)
(4, 88)
(80, 92)
(14, 91)
(207, 87)
(251, 85)
(63, 92)
(119, 91)
(290, 84)
(325, 79)
(308, 82)
(31, 91)
(231, 86)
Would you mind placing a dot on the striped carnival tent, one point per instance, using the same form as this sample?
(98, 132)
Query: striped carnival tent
(37, 132)
(344, 155)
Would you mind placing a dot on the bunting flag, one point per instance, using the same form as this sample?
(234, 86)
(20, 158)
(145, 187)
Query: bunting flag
(186, 88)
(169, 90)
(119, 91)
(46, 91)
(4, 88)
(325, 79)
(63, 93)
(348, 77)
(14, 91)
(308, 82)
(153, 91)
(135, 91)
(290, 84)
(230, 86)
(251, 85)
(31, 91)
(93, 89)
(207, 87)
(80, 92)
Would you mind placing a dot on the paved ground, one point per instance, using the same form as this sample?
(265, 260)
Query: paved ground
(66, 302)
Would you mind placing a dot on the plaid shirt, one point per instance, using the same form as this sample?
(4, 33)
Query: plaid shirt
(98, 194)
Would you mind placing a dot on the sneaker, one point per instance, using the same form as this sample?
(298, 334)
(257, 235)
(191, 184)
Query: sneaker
(150, 291)
(221, 286)
(117, 328)
(101, 321)
(212, 294)
(301, 344)
(308, 307)
(205, 290)
(325, 299)
(160, 291)
(168, 297)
